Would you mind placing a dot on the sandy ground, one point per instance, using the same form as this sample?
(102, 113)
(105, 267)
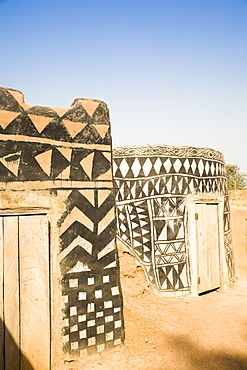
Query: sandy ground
(206, 332)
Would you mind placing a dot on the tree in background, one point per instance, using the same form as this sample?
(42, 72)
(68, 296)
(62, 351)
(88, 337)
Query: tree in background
(236, 179)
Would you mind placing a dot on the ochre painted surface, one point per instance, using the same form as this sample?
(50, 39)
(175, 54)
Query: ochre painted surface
(57, 161)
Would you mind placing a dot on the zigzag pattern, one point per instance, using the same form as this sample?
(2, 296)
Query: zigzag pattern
(170, 253)
(170, 184)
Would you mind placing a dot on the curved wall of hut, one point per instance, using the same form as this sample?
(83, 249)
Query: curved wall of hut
(173, 214)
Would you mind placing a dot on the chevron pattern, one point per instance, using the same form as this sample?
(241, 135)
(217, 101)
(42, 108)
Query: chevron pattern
(151, 185)
(68, 151)
(88, 246)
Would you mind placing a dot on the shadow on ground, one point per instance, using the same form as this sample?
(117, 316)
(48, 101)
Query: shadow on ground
(196, 357)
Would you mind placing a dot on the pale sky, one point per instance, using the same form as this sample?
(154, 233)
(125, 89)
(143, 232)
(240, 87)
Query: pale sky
(172, 72)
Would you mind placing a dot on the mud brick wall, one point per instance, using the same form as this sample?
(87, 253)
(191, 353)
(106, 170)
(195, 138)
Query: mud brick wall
(153, 185)
(63, 156)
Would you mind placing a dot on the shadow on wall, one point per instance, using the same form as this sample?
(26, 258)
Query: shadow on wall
(11, 356)
(196, 358)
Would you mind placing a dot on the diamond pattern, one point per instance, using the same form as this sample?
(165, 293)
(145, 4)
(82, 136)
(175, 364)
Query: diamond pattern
(153, 189)
(145, 167)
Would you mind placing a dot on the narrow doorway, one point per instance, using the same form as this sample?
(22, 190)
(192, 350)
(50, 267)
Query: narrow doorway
(25, 292)
(207, 239)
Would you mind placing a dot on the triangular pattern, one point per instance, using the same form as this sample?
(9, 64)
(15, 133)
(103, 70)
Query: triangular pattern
(89, 195)
(64, 175)
(174, 177)
(101, 167)
(6, 117)
(66, 152)
(60, 164)
(73, 127)
(101, 129)
(90, 106)
(87, 164)
(11, 162)
(40, 122)
(44, 160)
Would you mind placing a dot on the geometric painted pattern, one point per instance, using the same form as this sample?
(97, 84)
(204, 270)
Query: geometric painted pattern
(149, 167)
(151, 184)
(169, 184)
(24, 161)
(68, 151)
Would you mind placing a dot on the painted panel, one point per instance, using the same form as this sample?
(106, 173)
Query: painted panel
(34, 291)
(153, 184)
(68, 151)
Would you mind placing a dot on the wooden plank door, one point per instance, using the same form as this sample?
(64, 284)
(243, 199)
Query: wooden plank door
(11, 292)
(24, 246)
(207, 246)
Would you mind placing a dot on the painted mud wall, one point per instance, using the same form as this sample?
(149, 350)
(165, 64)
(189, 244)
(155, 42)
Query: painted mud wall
(56, 162)
(153, 187)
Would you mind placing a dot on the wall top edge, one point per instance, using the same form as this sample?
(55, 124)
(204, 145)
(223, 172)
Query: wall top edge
(19, 96)
(166, 150)
(86, 121)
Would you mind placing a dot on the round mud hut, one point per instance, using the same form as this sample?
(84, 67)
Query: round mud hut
(173, 214)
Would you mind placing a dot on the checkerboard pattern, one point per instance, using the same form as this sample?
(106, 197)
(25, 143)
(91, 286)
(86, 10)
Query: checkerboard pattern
(93, 313)
(67, 151)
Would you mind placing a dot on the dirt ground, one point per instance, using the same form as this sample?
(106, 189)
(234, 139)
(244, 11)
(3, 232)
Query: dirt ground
(206, 332)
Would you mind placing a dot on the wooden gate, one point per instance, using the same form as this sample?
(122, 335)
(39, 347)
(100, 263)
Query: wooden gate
(207, 235)
(24, 292)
